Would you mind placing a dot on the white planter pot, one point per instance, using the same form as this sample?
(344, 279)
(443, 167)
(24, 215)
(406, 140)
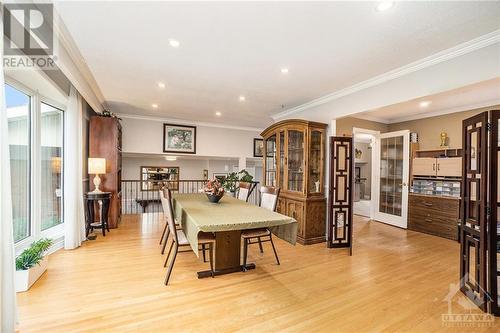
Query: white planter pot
(25, 279)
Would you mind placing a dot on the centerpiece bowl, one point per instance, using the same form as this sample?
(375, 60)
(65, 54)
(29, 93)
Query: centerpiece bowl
(214, 198)
(213, 190)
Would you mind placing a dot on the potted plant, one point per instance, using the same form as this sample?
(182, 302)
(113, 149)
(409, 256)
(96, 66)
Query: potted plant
(31, 264)
(232, 179)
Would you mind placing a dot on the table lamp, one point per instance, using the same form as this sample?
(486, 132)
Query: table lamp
(97, 166)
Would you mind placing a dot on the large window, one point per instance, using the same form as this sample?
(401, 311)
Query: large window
(36, 162)
(18, 114)
(51, 139)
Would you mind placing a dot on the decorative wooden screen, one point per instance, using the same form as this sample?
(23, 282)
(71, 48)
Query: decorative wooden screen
(473, 240)
(340, 198)
(493, 224)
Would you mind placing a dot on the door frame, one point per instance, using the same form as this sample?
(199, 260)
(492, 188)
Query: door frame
(375, 181)
(402, 221)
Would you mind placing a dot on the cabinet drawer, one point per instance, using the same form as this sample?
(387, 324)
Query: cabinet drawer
(438, 226)
(441, 206)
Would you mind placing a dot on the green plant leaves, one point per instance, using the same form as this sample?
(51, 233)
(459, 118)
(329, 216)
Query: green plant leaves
(33, 254)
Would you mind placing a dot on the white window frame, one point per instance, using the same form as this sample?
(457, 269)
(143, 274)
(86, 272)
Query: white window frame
(56, 233)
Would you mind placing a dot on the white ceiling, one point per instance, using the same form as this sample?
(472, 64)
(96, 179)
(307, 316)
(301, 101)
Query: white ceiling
(228, 49)
(473, 96)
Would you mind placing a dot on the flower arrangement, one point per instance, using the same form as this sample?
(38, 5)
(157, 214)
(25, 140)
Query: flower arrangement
(214, 190)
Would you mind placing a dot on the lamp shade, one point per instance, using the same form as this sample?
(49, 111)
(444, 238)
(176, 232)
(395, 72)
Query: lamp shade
(97, 166)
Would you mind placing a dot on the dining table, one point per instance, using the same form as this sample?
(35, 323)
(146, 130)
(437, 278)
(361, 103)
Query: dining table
(227, 219)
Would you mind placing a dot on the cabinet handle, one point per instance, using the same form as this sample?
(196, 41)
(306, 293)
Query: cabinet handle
(428, 204)
(438, 166)
(433, 166)
(428, 220)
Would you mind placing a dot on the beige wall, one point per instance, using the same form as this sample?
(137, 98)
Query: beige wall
(345, 125)
(429, 129)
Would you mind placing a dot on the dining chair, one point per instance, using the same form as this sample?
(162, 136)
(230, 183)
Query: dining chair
(269, 200)
(244, 190)
(179, 239)
(166, 231)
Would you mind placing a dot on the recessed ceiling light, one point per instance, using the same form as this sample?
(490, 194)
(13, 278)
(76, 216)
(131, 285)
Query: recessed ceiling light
(171, 158)
(218, 113)
(424, 104)
(284, 70)
(174, 43)
(384, 5)
(242, 98)
(161, 85)
(155, 106)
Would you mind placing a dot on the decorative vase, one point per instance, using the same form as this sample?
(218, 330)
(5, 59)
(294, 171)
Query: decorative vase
(214, 198)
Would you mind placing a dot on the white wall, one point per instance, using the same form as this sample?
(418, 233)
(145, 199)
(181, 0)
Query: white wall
(146, 136)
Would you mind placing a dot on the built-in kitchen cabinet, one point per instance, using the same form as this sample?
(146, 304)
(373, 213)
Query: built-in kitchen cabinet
(294, 155)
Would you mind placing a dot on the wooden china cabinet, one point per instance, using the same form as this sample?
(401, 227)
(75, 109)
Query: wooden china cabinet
(294, 161)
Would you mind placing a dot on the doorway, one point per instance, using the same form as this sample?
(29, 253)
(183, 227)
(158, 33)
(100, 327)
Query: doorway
(364, 141)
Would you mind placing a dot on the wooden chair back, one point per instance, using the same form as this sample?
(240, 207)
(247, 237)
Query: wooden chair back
(170, 213)
(269, 197)
(244, 191)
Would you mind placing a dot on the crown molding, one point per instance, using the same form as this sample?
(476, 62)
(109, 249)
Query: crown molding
(188, 122)
(66, 41)
(462, 108)
(442, 56)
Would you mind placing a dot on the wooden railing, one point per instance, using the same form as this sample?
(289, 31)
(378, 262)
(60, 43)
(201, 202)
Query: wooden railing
(141, 196)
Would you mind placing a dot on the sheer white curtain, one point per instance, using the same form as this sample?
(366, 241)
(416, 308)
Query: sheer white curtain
(7, 268)
(74, 218)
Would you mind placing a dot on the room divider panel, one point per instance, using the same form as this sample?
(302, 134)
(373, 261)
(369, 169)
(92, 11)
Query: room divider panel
(478, 230)
(341, 191)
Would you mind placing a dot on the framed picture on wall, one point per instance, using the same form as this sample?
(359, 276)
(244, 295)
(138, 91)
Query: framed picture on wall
(258, 147)
(220, 176)
(179, 139)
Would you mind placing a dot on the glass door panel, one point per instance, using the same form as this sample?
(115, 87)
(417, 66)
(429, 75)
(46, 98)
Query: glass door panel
(315, 169)
(271, 161)
(393, 176)
(282, 159)
(295, 161)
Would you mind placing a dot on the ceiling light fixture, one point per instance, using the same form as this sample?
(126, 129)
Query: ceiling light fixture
(161, 85)
(171, 158)
(284, 71)
(424, 104)
(384, 5)
(218, 113)
(242, 98)
(174, 43)
(155, 106)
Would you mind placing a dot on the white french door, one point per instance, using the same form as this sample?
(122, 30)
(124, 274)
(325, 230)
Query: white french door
(392, 170)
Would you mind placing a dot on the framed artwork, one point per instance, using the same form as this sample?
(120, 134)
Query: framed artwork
(179, 139)
(205, 174)
(220, 176)
(258, 147)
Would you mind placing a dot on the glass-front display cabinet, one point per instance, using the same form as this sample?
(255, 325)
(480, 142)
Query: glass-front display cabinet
(294, 155)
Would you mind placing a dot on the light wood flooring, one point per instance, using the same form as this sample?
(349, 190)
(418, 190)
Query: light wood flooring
(396, 281)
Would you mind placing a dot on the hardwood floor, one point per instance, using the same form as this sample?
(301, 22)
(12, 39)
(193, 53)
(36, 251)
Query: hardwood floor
(396, 281)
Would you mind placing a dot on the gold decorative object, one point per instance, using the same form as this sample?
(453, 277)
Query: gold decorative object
(444, 137)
